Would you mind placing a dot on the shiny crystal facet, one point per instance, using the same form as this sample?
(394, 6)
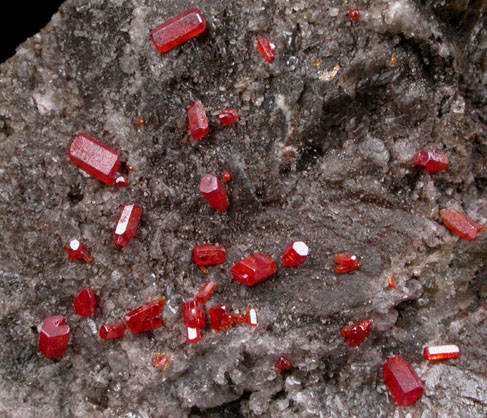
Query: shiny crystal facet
(127, 224)
(54, 337)
(197, 120)
(146, 318)
(432, 161)
(460, 224)
(295, 254)
(401, 380)
(266, 48)
(254, 269)
(357, 333)
(206, 292)
(441, 352)
(214, 192)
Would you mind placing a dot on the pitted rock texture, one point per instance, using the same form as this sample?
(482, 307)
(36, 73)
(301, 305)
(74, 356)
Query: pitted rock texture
(326, 160)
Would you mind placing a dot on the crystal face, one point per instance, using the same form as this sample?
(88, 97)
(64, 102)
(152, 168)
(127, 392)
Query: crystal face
(206, 292)
(145, 318)
(214, 192)
(178, 30)
(193, 335)
(95, 158)
(77, 251)
(85, 303)
(266, 48)
(127, 224)
(295, 254)
(112, 331)
(209, 255)
(346, 263)
(194, 315)
(283, 363)
(401, 380)
(197, 120)
(54, 337)
(441, 352)
(254, 269)
(432, 161)
(228, 117)
(357, 333)
(460, 224)
(220, 318)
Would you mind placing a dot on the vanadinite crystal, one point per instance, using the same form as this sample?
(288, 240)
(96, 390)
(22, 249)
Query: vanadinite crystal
(85, 303)
(295, 254)
(209, 255)
(205, 293)
(94, 158)
(254, 269)
(145, 318)
(228, 117)
(197, 120)
(441, 352)
(460, 224)
(194, 315)
(161, 360)
(127, 224)
(226, 176)
(432, 161)
(403, 383)
(111, 331)
(266, 48)
(193, 335)
(283, 363)
(54, 337)
(346, 263)
(357, 333)
(354, 14)
(77, 251)
(178, 30)
(213, 191)
(220, 318)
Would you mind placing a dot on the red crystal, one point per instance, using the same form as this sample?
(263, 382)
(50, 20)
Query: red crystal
(145, 318)
(346, 263)
(441, 352)
(251, 317)
(54, 337)
(226, 176)
(194, 316)
(357, 333)
(127, 224)
(94, 158)
(85, 303)
(197, 120)
(77, 251)
(111, 331)
(392, 283)
(228, 117)
(266, 48)
(254, 269)
(209, 255)
(460, 224)
(432, 161)
(403, 383)
(213, 191)
(205, 293)
(220, 318)
(354, 14)
(203, 269)
(122, 182)
(161, 360)
(178, 30)
(283, 363)
(140, 122)
(295, 254)
(193, 335)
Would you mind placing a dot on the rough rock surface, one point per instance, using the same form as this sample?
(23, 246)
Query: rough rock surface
(325, 160)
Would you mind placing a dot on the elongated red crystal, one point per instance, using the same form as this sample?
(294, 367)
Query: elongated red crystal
(112, 331)
(283, 363)
(432, 161)
(194, 315)
(357, 333)
(401, 380)
(85, 303)
(228, 117)
(197, 120)
(346, 263)
(392, 283)
(214, 192)
(266, 48)
(178, 30)
(127, 224)
(54, 337)
(254, 269)
(206, 292)
(145, 318)
(77, 251)
(460, 224)
(441, 352)
(209, 255)
(95, 158)
(193, 335)
(295, 254)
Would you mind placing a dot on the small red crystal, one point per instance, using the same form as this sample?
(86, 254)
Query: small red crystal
(209, 255)
(111, 331)
(251, 317)
(266, 48)
(283, 363)
(403, 383)
(197, 120)
(161, 360)
(432, 161)
(392, 283)
(460, 224)
(193, 335)
(77, 251)
(254, 269)
(346, 263)
(194, 315)
(203, 269)
(357, 333)
(213, 191)
(54, 337)
(228, 117)
(441, 352)
(95, 158)
(178, 30)
(85, 303)
(354, 14)
(122, 182)
(145, 318)
(220, 318)
(295, 254)
(205, 293)
(127, 224)
(226, 176)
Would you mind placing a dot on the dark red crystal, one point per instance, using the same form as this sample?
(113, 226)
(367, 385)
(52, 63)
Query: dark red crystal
(401, 380)
(357, 333)
(214, 192)
(146, 318)
(254, 269)
(112, 331)
(206, 292)
(85, 303)
(209, 255)
(127, 224)
(54, 337)
(283, 363)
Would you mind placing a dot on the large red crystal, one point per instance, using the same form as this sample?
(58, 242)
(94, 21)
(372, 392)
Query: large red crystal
(205, 293)
(85, 303)
(209, 255)
(145, 318)
(432, 161)
(266, 48)
(403, 383)
(54, 337)
(357, 333)
(194, 315)
(254, 269)
(228, 117)
(295, 254)
(77, 251)
(441, 352)
(283, 363)
(213, 191)
(178, 30)
(197, 120)
(127, 224)
(111, 331)
(346, 263)
(460, 224)
(95, 158)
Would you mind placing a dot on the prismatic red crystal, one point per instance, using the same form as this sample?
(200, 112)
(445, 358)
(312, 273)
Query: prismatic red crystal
(145, 318)
(112, 331)
(213, 191)
(228, 117)
(95, 158)
(194, 315)
(392, 283)
(54, 337)
(127, 224)
(226, 176)
(209, 255)
(357, 333)
(85, 303)
(77, 251)
(460, 224)
(295, 254)
(206, 292)
(178, 30)
(354, 14)
(266, 48)
(401, 380)
(346, 263)
(220, 318)
(254, 269)
(432, 161)
(283, 363)
(193, 335)
(441, 352)
(197, 120)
